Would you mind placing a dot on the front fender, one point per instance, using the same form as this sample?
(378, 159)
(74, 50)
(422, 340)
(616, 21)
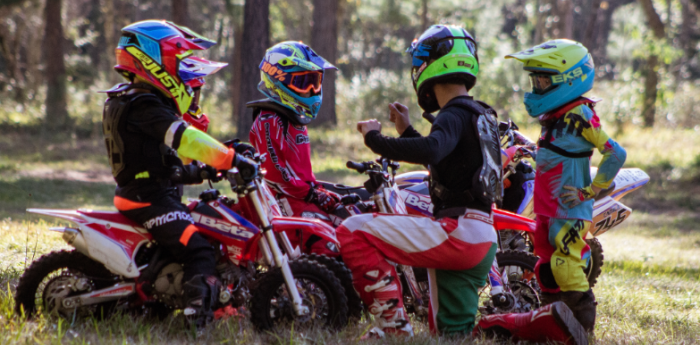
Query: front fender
(504, 220)
(309, 226)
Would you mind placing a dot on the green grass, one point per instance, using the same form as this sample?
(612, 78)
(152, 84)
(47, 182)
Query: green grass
(648, 291)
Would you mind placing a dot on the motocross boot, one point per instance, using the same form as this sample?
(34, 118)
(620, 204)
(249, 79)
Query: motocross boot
(582, 304)
(380, 289)
(200, 296)
(554, 322)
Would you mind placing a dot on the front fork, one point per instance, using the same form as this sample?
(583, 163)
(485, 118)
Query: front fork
(279, 258)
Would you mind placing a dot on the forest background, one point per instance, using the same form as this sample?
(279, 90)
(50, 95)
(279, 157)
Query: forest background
(55, 55)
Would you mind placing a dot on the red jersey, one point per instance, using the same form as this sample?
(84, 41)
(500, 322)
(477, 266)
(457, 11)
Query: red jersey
(288, 159)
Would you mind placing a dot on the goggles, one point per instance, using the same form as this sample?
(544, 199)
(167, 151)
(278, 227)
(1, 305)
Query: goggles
(541, 83)
(303, 82)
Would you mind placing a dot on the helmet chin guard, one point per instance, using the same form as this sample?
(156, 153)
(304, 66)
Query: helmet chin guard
(570, 70)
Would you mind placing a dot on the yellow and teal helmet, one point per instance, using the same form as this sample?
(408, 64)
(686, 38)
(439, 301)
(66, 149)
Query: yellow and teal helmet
(287, 72)
(443, 53)
(560, 72)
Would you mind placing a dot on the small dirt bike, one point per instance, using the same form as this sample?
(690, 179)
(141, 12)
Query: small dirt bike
(117, 265)
(511, 281)
(608, 211)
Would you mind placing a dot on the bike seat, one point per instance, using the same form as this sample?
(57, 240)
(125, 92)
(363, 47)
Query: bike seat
(346, 190)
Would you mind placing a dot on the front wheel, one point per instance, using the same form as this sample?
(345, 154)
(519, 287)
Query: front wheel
(595, 265)
(523, 293)
(345, 276)
(321, 292)
(56, 276)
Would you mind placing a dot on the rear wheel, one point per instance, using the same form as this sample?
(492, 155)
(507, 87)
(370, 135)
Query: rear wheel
(321, 292)
(59, 275)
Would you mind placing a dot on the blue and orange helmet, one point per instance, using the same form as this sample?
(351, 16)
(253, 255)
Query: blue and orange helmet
(288, 71)
(161, 53)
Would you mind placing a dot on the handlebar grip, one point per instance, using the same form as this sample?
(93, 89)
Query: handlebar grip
(359, 167)
(428, 116)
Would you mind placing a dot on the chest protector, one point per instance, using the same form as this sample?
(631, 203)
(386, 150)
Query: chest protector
(132, 155)
(487, 183)
(113, 123)
(550, 121)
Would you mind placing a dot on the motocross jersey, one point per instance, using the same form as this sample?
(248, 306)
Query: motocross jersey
(452, 149)
(143, 132)
(563, 159)
(288, 161)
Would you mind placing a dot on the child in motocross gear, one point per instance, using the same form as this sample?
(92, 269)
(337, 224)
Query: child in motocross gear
(291, 78)
(561, 71)
(145, 135)
(463, 154)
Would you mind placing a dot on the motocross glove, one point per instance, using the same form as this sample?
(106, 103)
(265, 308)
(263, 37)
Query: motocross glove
(576, 196)
(244, 149)
(247, 168)
(325, 200)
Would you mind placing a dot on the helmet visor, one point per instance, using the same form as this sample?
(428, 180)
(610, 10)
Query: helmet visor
(303, 82)
(541, 83)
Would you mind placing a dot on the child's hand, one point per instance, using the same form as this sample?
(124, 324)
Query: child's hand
(398, 114)
(576, 196)
(365, 127)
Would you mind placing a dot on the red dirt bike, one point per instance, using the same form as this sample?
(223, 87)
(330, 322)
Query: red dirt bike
(511, 288)
(117, 266)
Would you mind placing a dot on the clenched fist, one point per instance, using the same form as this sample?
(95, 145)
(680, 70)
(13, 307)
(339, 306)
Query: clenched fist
(365, 127)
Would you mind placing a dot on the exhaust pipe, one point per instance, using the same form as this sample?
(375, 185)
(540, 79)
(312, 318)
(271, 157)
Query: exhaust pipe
(73, 237)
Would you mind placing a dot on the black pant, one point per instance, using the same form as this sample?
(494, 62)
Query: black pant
(167, 219)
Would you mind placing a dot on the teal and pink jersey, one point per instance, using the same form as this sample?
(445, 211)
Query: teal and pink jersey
(577, 131)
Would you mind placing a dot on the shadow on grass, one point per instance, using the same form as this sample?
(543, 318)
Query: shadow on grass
(18, 195)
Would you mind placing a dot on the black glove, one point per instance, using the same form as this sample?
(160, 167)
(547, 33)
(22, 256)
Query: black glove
(207, 172)
(244, 149)
(327, 201)
(247, 168)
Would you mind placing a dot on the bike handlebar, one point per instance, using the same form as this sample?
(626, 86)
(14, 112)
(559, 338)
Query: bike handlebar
(359, 167)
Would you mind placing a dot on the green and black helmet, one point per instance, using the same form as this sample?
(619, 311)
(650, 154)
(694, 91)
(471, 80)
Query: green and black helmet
(442, 54)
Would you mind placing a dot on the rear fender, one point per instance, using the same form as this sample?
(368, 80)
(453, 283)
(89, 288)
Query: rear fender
(106, 237)
(504, 220)
(411, 177)
(626, 181)
(308, 226)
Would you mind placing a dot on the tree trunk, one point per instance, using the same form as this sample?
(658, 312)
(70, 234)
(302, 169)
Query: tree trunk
(56, 112)
(111, 40)
(324, 41)
(651, 79)
(540, 19)
(236, 75)
(181, 15)
(565, 14)
(651, 70)
(256, 39)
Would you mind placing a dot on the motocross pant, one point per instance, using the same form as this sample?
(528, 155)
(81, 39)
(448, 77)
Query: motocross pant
(293, 207)
(171, 225)
(458, 253)
(563, 254)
